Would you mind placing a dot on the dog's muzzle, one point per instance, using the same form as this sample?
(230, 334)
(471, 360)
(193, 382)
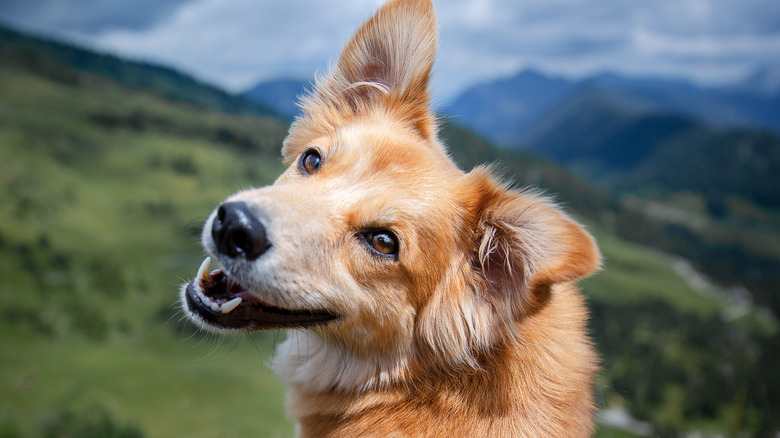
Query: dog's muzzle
(217, 301)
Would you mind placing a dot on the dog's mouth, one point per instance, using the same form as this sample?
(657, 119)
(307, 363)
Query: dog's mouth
(220, 302)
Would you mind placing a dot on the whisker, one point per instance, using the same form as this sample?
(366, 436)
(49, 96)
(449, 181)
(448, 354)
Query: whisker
(205, 337)
(216, 343)
(232, 349)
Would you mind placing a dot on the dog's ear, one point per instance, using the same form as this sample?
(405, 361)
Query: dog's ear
(525, 245)
(520, 245)
(386, 63)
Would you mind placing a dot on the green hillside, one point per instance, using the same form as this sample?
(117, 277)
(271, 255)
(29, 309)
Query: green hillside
(627, 149)
(163, 81)
(103, 194)
(103, 190)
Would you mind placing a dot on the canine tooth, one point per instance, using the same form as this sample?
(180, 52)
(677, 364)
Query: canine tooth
(203, 271)
(230, 305)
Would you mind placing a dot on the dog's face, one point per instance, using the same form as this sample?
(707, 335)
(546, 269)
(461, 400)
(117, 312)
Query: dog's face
(359, 229)
(373, 242)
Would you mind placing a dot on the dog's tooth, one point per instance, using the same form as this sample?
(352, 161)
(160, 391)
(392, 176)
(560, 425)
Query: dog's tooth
(198, 290)
(214, 306)
(203, 271)
(230, 305)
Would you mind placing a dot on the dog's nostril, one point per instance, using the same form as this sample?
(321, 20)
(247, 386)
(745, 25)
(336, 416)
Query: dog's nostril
(221, 212)
(238, 233)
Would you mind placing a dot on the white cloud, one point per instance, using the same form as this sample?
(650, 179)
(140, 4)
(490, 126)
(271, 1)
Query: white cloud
(236, 42)
(706, 40)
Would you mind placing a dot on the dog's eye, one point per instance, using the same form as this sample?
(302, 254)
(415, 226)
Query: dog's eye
(383, 243)
(310, 161)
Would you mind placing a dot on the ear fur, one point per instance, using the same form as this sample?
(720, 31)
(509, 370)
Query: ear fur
(395, 48)
(521, 245)
(386, 65)
(526, 245)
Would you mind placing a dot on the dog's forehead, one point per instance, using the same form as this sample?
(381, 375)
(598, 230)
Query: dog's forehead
(378, 171)
(384, 150)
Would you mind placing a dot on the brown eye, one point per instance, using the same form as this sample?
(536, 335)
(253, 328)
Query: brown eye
(310, 161)
(383, 243)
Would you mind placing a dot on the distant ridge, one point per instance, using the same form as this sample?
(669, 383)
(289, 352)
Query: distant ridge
(764, 81)
(621, 148)
(164, 81)
(502, 109)
(280, 94)
(505, 110)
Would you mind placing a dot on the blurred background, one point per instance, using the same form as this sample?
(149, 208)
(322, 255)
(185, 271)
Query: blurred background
(122, 124)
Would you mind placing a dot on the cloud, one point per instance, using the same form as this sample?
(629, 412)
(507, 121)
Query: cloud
(235, 43)
(87, 16)
(705, 40)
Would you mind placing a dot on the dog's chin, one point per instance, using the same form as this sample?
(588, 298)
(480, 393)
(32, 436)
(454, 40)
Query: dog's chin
(215, 301)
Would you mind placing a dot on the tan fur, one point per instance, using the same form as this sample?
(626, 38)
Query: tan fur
(476, 329)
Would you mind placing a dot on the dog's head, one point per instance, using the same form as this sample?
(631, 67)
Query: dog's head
(372, 242)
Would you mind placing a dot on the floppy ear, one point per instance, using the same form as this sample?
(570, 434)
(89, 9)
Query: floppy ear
(521, 245)
(526, 245)
(387, 64)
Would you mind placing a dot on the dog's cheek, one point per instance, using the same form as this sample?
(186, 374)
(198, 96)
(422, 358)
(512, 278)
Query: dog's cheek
(374, 301)
(454, 323)
(371, 326)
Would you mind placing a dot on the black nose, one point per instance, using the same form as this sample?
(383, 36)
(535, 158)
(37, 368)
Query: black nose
(238, 233)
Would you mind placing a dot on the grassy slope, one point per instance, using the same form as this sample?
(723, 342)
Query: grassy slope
(96, 230)
(103, 192)
(164, 81)
(164, 386)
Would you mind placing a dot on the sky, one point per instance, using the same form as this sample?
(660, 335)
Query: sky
(237, 43)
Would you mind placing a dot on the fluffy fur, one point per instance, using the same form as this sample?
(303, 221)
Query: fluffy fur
(475, 329)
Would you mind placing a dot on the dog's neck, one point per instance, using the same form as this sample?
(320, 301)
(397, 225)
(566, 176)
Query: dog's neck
(307, 361)
(335, 393)
(327, 380)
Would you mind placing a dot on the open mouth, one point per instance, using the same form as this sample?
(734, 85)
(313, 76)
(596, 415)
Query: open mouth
(218, 301)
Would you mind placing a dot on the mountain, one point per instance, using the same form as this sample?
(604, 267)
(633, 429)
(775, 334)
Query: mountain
(501, 109)
(765, 81)
(735, 163)
(639, 135)
(163, 81)
(505, 110)
(725, 106)
(622, 149)
(587, 125)
(280, 94)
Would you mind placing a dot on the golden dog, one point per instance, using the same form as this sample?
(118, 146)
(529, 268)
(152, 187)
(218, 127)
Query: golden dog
(421, 300)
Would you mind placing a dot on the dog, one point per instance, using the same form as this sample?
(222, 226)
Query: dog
(420, 300)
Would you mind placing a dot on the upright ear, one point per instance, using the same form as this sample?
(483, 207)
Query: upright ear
(526, 245)
(387, 62)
